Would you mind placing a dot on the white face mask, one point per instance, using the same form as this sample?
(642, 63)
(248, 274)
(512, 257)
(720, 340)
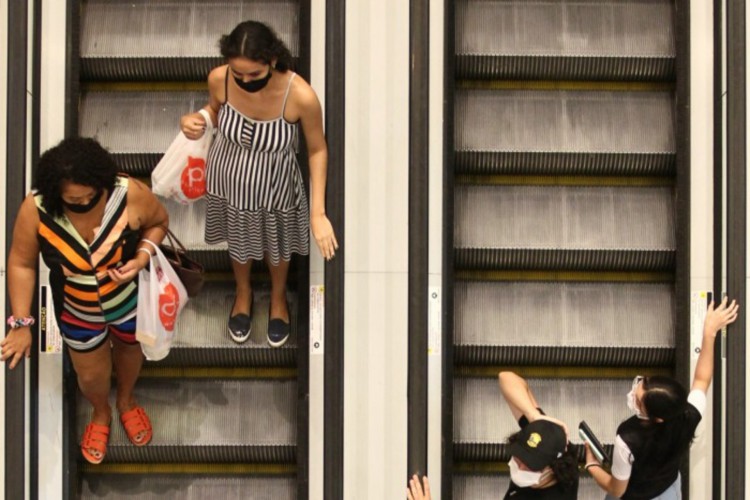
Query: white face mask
(523, 478)
(632, 404)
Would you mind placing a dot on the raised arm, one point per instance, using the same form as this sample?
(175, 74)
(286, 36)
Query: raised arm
(716, 319)
(311, 116)
(519, 397)
(22, 265)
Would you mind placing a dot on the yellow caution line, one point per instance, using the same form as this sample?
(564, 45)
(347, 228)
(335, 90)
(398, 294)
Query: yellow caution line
(566, 276)
(564, 180)
(219, 372)
(563, 85)
(176, 468)
(562, 372)
(481, 467)
(144, 87)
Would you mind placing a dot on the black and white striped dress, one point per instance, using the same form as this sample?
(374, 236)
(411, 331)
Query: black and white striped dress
(255, 194)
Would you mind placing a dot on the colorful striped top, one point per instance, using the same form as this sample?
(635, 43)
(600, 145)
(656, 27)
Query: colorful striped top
(81, 288)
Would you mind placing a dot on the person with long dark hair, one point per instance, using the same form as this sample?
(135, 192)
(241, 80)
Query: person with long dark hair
(89, 224)
(543, 463)
(650, 445)
(256, 199)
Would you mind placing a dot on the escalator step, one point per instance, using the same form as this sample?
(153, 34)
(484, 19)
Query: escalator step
(564, 314)
(200, 420)
(482, 421)
(564, 132)
(137, 127)
(567, 163)
(167, 40)
(201, 337)
(480, 355)
(194, 487)
(616, 220)
(553, 39)
(534, 259)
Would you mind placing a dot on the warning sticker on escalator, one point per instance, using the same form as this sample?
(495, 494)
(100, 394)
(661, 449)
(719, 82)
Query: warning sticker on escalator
(317, 318)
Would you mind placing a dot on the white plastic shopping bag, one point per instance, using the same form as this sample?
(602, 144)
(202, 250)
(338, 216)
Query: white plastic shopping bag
(161, 297)
(181, 173)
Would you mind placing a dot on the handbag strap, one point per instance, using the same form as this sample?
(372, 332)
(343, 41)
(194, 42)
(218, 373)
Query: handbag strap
(174, 242)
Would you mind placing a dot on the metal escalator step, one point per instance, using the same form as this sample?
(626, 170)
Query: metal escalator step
(567, 163)
(482, 355)
(194, 487)
(493, 486)
(137, 127)
(201, 337)
(577, 132)
(564, 314)
(564, 67)
(564, 260)
(168, 40)
(198, 420)
(482, 421)
(564, 227)
(553, 39)
(144, 69)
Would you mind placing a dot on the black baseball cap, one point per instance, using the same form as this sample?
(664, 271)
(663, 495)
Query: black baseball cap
(539, 444)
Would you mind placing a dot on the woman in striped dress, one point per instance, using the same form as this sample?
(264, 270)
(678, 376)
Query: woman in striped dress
(88, 223)
(256, 198)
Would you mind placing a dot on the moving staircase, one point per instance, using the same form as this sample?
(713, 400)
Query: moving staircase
(229, 420)
(565, 227)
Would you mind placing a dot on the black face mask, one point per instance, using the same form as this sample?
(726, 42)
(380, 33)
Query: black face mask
(254, 85)
(82, 209)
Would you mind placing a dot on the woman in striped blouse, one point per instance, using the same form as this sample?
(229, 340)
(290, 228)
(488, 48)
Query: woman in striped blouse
(88, 223)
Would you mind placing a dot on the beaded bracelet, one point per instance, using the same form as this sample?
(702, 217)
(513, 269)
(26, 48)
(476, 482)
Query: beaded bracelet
(14, 322)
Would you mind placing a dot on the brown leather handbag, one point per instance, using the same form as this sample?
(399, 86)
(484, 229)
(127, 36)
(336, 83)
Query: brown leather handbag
(191, 272)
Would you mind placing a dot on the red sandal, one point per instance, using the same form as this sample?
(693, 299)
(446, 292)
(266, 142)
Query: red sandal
(94, 442)
(136, 423)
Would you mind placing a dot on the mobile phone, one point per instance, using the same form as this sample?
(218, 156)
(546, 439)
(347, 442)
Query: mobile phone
(596, 446)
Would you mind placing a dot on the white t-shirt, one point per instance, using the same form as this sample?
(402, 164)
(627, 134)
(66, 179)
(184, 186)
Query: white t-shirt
(622, 458)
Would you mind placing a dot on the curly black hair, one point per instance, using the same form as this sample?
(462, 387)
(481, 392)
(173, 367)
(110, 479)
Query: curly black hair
(257, 42)
(80, 160)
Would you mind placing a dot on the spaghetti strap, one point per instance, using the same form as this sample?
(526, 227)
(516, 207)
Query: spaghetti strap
(286, 95)
(226, 86)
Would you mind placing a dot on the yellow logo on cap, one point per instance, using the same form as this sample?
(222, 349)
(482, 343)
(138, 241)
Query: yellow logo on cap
(534, 440)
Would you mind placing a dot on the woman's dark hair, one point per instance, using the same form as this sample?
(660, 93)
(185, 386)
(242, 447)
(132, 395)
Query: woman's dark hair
(257, 42)
(667, 432)
(80, 160)
(565, 468)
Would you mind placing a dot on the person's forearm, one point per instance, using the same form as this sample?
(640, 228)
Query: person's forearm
(704, 368)
(518, 395)
(154, 234)
(318, 177)
(21, 287)
(604, 480)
